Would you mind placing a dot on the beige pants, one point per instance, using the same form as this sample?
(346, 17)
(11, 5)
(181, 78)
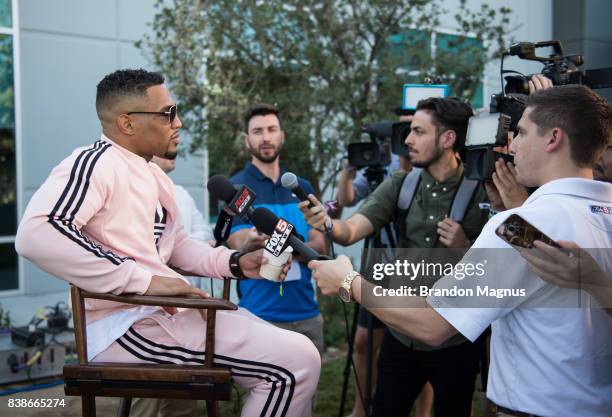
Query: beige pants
(153, 407)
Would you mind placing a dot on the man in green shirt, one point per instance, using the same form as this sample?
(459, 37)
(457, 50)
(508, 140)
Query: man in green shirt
(438, 132)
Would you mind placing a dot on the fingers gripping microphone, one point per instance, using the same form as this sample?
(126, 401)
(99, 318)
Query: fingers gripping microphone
(290, 182)
(238, 201)
(281, 234)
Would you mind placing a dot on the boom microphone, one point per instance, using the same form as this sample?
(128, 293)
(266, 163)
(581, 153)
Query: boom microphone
(281, 235)
(290, 182)
(238, 201)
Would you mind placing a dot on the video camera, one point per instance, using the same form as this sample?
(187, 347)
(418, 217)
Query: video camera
(488, 131)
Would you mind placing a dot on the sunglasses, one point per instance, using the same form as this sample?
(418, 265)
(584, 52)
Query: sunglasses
(170, 114)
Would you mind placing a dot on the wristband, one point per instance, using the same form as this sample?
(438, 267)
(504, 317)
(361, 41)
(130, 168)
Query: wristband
(234, 265)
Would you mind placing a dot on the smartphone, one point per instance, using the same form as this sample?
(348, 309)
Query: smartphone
(519, 232)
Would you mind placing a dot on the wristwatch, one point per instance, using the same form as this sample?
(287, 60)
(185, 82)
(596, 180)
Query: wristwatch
(234, 265)
(345, 292)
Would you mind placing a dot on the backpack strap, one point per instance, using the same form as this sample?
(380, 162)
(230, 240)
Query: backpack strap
(404, 201)
(462, 198)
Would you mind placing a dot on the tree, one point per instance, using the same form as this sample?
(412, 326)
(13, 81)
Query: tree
(330, 66)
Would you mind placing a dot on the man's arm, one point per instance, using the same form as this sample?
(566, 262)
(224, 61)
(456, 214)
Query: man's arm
(51, 231)
(416, 319)
(344, 232)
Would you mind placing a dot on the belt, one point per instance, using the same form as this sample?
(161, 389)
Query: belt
(495, 409)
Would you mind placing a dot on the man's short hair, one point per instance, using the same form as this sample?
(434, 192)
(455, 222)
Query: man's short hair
(582, 114)
(448, 114)
(262, 109)
(124, 83)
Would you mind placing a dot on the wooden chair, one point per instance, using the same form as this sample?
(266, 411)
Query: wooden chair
(208, 382)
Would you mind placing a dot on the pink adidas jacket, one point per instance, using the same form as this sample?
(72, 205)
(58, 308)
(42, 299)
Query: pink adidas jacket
(91, 224)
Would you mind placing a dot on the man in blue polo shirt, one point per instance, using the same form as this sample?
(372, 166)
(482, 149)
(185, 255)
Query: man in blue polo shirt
(296, 308)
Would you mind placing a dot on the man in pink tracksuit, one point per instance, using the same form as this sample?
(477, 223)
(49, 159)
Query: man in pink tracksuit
(106, 221)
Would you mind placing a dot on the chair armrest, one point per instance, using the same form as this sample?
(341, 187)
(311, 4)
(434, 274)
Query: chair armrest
(165, 301)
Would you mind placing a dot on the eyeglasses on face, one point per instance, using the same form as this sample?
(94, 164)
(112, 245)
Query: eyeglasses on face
(170, 113)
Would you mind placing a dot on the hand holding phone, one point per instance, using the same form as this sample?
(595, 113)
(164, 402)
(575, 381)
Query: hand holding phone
(519, 232)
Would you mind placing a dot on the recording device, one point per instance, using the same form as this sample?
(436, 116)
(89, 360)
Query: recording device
(561, 69)
(223, 227)
(484, 135)
(375, 153)
(290, 182)
(399, 133)
(517, 231)
(238, 199)
(267, 222)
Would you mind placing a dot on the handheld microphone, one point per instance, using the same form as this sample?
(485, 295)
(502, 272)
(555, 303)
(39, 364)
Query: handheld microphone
(223, 227)
(281, 234)
(238, 202)
(290, 182)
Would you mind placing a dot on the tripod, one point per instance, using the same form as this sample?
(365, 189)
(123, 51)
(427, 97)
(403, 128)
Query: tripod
(375, 175)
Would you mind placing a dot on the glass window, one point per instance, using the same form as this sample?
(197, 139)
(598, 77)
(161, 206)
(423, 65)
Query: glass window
(8, 186)
(9, 278)
(5, 13)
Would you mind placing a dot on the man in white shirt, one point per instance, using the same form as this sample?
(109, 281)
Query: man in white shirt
(544, 361)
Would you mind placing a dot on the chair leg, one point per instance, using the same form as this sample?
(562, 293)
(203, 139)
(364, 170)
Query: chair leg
(124, 407)
(88, 403)
(212, 408)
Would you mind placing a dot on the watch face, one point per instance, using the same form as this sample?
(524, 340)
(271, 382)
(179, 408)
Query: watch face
(344, 295)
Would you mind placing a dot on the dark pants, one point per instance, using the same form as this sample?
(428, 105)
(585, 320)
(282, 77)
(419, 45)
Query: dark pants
(403, 371)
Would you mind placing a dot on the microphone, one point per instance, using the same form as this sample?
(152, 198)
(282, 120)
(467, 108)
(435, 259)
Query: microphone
(222, 228)
(238, 201)
(290, 182)
(281, 234)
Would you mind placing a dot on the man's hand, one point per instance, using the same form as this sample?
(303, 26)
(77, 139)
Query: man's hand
(539, 82)
(251, 262)
(254, 240)
(569, 268)
(168, 286)
(330, 274)
(316, 216)
(511, 192)
(452, 235)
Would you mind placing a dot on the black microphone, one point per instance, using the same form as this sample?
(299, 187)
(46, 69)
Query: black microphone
(238, 201)
(281, 235)
(223, 228)
(290, 182)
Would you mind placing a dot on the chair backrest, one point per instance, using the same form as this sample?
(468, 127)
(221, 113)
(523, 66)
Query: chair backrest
(80, 328)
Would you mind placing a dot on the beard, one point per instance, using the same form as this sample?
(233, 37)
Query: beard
(170, 155)
(255, 152)
(437, 154)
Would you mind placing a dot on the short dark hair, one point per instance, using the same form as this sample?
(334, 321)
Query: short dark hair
(449, 113)
(262, 109)
(122, 83)
(582, 114)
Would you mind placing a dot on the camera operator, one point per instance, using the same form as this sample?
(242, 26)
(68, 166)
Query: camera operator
(561, 134)
(405, 364)
(353, 187)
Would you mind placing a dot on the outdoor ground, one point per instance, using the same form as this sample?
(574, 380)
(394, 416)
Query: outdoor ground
(328, 399)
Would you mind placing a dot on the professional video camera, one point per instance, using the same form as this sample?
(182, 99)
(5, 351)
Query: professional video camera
(486, 132)
(375, 155)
